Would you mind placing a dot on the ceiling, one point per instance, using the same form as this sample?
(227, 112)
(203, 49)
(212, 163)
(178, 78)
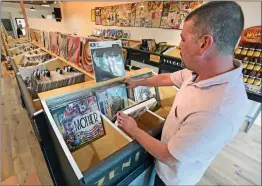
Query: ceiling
(34, 2)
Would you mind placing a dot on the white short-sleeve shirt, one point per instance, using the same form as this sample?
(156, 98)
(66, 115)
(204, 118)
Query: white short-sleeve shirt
(204, 117)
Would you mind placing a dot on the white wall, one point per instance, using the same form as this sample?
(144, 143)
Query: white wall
(77, 17)
(35, 19)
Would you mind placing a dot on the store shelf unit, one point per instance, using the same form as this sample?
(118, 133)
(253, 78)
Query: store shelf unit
(124, 165)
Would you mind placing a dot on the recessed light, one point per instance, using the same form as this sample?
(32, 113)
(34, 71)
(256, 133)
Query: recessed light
(32, 9)
(46, 5)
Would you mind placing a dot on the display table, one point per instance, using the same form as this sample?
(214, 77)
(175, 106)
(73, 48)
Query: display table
(111, 160)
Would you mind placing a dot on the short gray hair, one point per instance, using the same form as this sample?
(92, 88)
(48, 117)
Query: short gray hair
(224, 20)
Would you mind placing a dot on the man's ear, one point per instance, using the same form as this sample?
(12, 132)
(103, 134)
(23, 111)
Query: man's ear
(205, 44)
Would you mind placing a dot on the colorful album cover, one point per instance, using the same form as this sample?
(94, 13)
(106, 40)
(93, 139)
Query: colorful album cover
(174, 13)
(79, 121)
(73, 48)
(98, 16)
(143, 93)
(86, 55)
(125, 15)
(54, 42)
(62, 45)
(112, 99)
(148, 14)
(107, 60)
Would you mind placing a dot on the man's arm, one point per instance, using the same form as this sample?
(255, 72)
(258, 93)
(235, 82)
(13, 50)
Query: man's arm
(167, 79)
(155, 147)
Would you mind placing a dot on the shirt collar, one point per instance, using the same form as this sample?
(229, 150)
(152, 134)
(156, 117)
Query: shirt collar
(220, 79)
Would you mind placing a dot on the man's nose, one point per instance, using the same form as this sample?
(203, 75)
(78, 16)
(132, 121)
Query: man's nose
(179, 46)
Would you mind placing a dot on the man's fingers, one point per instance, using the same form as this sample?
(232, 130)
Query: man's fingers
(123, 115)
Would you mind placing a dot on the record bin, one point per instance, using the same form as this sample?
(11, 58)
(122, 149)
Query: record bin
(113, 159)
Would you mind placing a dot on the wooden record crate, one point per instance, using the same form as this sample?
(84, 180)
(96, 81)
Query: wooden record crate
(76, 166)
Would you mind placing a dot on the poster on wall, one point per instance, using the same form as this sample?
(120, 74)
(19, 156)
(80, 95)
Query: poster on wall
(108, 16)
(148, 14)
(174, 13)
(98, 16)
(125, 15)
(93, 15)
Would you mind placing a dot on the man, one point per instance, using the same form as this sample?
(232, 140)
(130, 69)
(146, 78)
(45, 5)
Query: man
(19, 30)
(209, 108)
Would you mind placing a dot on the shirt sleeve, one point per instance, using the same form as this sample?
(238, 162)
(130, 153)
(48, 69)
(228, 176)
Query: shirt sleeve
(201, 136)
(178, 77)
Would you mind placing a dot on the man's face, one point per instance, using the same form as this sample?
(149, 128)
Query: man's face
(189, 47)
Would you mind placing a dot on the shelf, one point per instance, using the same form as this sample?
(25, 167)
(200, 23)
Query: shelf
(91, 75)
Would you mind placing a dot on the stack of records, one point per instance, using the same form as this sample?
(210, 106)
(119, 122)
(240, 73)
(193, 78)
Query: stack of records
(35, 59)
(148, 45)
(47, 80)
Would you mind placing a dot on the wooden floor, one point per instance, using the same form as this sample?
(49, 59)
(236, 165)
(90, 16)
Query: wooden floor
(20, 152)
(239, 163)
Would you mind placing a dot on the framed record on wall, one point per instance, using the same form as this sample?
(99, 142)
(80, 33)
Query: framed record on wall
(125, 15)
(174, 13)
(93, 15)
(148, 14)
(98, 16)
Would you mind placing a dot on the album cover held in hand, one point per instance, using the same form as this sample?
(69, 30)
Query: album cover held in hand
(79, 121)
(107, 60)
(138, 109)
(112, 99)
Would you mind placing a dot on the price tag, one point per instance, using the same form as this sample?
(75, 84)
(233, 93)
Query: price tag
(155, 58)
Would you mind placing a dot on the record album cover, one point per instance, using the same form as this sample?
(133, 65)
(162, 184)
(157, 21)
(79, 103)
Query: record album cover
(112, 99)
(79, 121)
(107, 60)
(73, 53)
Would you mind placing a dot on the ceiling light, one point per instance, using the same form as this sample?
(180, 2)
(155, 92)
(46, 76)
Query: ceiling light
(46, 5)
(44, 1)
(55, 2)
(32, 9)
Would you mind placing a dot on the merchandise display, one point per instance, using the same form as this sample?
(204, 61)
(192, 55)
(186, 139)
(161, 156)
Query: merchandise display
(107, 60)
(71, 79)
(151, 14)
(34, 59)
(45, 80)
(249, 52)
(21, 49)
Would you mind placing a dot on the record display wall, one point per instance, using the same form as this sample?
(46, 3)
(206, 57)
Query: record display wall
(150, 14)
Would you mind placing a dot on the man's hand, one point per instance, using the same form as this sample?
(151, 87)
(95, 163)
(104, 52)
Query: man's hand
(131, 83)
(127, 123)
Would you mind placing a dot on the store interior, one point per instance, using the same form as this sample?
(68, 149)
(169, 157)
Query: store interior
(56, 40)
